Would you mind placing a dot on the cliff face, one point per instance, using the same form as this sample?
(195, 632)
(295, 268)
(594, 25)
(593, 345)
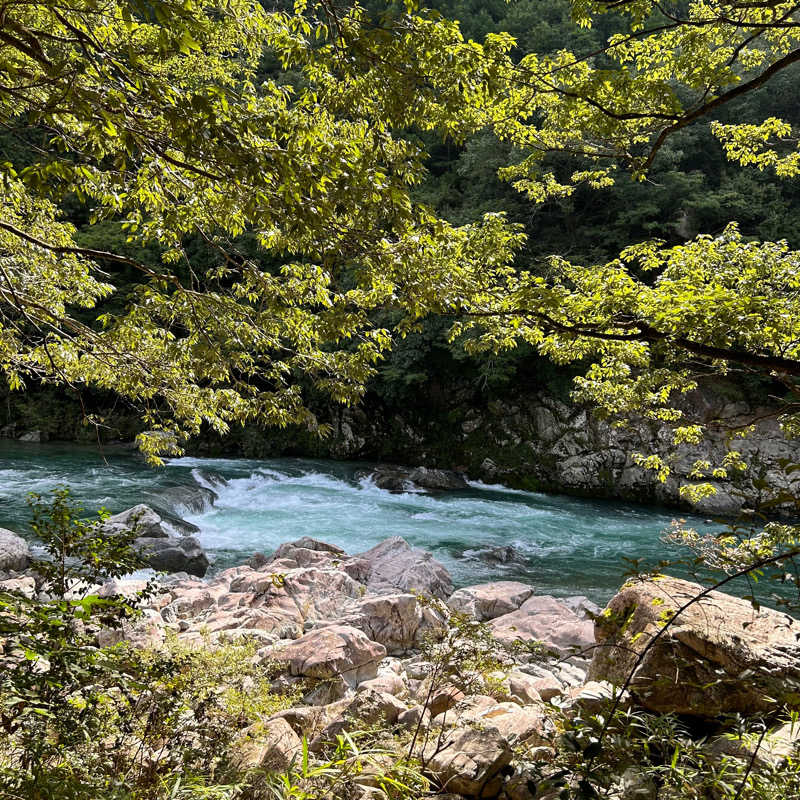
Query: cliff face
(543, 443)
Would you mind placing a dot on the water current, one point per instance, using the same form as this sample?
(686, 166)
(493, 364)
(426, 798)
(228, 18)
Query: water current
(561, 545)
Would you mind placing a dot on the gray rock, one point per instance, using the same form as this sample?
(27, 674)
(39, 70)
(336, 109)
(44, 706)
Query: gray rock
(194, 499)
(33, 436)
(402, 479)
(14, 553)
(142, 519)
(174, 555)
(211, 478)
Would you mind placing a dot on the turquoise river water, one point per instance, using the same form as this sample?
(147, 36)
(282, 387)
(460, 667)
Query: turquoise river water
(561, 545)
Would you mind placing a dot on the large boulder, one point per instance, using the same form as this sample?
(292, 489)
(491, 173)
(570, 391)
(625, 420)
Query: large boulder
(469, 761)
(192, 499)
(486, 601)
(394, 564)
(305, 552)
(156, 540)
(394, 478)
(174, 555)
(542, 618)
(719, 655)
(271, 745)
(397, 621)
(14, 553)
(337, 651)
(144, 520)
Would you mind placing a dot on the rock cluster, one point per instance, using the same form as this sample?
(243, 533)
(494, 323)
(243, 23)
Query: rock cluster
(351, 634)
(395, 478)
(163, 540)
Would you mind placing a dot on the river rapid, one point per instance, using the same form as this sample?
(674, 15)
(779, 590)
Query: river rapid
(561, 545)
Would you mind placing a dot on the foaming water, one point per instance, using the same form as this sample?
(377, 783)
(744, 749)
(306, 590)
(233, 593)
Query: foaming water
(560, 545)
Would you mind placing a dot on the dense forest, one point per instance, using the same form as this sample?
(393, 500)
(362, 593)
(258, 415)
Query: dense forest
(691, 189)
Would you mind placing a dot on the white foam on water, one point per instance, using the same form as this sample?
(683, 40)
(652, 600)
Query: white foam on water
(560, 545)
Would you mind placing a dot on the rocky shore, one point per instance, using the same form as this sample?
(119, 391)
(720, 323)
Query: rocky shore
(381, 638)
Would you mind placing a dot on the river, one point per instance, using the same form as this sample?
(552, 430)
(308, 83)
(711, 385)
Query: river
(561, 545)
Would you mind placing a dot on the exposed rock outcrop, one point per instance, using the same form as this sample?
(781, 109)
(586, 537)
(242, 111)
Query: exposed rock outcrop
(487, 601)
(394, 564)
(719, 655)
(541, 442)
(547, 620)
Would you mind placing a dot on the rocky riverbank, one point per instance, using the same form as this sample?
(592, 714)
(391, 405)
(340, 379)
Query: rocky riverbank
(482, 684)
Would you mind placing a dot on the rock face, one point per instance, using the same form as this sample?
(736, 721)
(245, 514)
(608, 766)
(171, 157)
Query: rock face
(193, 499)
(14, 553)
(33, 436)
(539, 442)
(719, 655)
(487, 601)
(548, 620)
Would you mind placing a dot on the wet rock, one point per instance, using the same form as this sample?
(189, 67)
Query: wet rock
(719, 655)
(437, 479)
(210, 479)
(486, 601)
(174, 555)
(403, 479)
(547, 620)
(194, 499)
(394, 564)
(15, 555)
(141, 519)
